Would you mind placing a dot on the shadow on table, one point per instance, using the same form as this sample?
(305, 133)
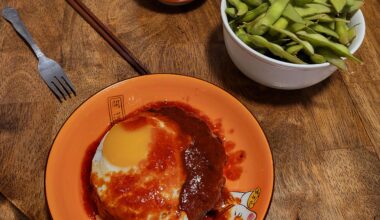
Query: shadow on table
(238, 84)
(155, 5)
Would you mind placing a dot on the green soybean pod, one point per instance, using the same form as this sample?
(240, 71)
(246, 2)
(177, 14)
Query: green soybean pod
(312, 9)
(332, 58)
(324, 30)
(301, 2)
(342, 20)
(252, 14)
(294, 49)
(281, 23)
(231, 12)
(308, 47)
(253, 3)
(291, 43)
(241, 7)
(322, 2)
(331, 25)
(275, 49)
(338, 4)
(291, 14)
(356, 5)
(311, 31)
(242, 35)
(271, 16)
(281, 41)
(351, 34)
(342, 30)
(319, 40)
(295, 27)
(251, 23)
(320, 18)
(317, 58)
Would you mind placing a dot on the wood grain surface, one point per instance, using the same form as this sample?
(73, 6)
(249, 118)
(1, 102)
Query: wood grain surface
(325, 139)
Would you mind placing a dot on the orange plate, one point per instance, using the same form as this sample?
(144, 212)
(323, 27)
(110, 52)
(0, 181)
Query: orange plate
(86, 124)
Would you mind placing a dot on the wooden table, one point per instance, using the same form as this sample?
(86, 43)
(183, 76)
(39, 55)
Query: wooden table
(325, 139)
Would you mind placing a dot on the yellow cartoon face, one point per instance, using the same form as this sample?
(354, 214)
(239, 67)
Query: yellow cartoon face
(253, 198)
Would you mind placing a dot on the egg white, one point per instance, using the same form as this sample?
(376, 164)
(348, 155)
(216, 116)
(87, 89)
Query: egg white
(103, 170)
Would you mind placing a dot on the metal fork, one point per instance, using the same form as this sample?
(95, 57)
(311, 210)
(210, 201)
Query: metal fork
(50, 71)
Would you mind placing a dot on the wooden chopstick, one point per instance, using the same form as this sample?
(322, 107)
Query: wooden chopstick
(88, 16)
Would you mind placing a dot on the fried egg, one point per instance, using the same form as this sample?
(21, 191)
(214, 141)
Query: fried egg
(137, 170)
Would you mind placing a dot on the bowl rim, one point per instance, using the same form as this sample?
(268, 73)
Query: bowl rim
(355, 47)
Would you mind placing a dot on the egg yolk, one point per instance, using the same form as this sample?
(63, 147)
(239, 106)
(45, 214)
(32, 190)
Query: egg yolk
(123, 147)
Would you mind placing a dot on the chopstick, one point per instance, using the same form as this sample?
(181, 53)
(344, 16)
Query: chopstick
(88, 16)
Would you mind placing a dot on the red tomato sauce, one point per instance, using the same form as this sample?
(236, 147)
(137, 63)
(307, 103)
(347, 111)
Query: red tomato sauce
(89, 203)
(207, 160)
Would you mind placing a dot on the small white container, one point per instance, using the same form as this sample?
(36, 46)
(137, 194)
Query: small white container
(279, 74)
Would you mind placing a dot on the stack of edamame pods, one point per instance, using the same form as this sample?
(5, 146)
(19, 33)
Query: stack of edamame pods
(297, 31)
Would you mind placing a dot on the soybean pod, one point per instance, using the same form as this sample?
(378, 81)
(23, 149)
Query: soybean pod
(331, 25)
(253, 3)
(342, 30)
(322, 2)
(277, 50)
(281, 41)
(241, 7)
(240, 33)
(320, 17)
(355, 6)
(281, 23)
(243, 36)
(294, 49)
(324, 30)
(252, 14)
(317, 58)
(295, 27)
(338, 4)
(332, 58)
(231, 12)
(312, 9)
(271, 16)
(291, 14)
(351, 34)
(291, 43)
(301, 2)
(308, 47)
(255, 21)
(319, 40)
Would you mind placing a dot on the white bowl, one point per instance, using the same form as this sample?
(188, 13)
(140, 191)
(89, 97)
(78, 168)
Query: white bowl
(279, 74)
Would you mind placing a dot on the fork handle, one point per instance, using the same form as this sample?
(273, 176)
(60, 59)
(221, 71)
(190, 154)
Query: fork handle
(12, 16)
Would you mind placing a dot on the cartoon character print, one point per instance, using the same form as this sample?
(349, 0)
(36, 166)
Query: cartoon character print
(241, 205)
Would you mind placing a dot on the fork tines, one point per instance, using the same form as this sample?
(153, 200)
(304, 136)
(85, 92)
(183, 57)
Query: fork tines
(61, 86)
